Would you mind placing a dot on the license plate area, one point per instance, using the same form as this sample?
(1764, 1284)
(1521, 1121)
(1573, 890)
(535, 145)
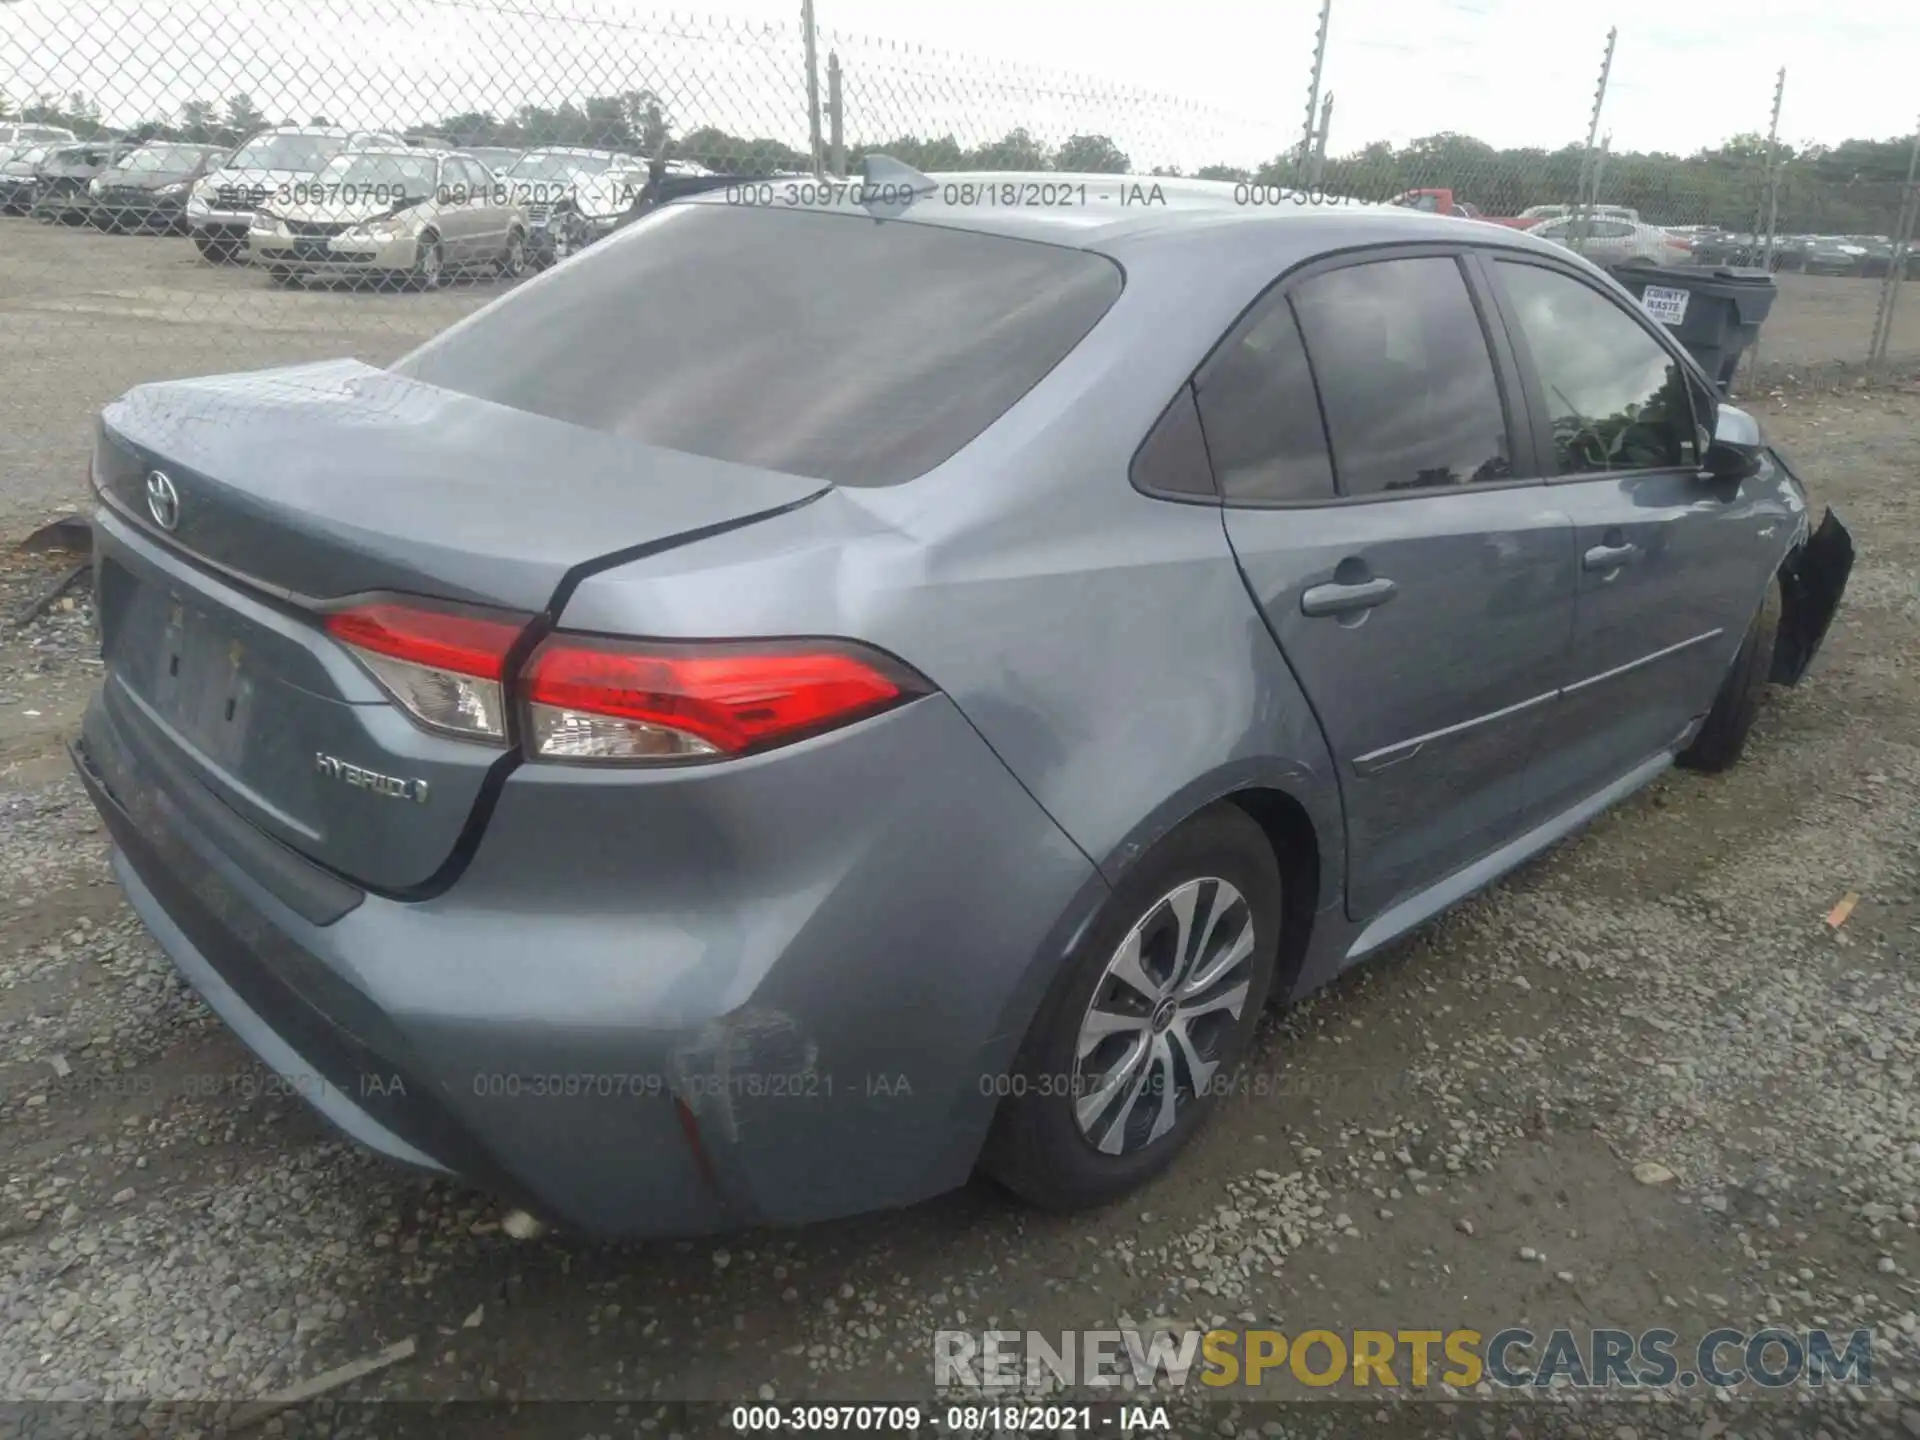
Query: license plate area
(200, 680)
(311, 249)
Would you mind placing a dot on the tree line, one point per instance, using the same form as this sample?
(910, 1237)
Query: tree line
(1851, 187)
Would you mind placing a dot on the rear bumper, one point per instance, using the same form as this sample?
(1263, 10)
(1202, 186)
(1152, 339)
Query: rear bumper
(139, 210)
(633, 1021)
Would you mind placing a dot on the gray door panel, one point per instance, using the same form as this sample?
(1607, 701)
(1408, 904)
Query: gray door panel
(1421, 590)
(1669, 565)
(1671, 570)
(1433, 699)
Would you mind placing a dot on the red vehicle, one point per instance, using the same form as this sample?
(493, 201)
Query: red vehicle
(1442, 202)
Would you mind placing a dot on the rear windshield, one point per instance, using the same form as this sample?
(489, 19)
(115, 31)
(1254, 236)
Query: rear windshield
(287, 152)
(833, 346)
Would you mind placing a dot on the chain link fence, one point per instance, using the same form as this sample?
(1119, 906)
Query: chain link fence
(322, 156)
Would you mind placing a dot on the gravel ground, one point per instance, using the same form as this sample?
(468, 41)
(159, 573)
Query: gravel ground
(1447, 1137)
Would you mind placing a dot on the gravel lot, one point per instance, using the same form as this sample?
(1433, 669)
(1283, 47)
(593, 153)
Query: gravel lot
(1446, 1138)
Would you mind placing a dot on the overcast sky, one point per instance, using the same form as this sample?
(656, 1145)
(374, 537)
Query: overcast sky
(1235, 72)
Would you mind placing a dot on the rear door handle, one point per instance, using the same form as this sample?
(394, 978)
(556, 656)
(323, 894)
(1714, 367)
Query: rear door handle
(1344, 599)
(1609, 557)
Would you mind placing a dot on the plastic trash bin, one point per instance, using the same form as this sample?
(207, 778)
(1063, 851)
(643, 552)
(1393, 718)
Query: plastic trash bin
(1716, 313)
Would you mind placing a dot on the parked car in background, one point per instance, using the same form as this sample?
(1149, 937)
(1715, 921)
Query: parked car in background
(17, 178)
(147, 189)
(401, 216)
(572, 196)
(1836, 255)
(638, 680)
(497, 158)
(24, 134)
(1608, 241)
(60, 192)
(220, 206)
(1539, 213)
(1445, 202)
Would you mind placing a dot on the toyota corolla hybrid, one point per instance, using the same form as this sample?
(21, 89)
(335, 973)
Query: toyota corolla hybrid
(807, 699)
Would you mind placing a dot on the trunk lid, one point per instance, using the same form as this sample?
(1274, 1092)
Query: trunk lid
(315, 483)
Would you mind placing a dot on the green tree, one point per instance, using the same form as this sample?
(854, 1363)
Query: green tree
(1092, 154)
(243, 117)
(198, 120)
(737, 155)
(1016, 150)
(647, 122)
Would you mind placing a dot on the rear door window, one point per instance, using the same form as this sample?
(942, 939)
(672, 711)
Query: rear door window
(1406, 381)
(1260, 413)
(833, 346)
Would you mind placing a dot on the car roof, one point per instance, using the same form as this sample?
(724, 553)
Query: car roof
(1117, 214)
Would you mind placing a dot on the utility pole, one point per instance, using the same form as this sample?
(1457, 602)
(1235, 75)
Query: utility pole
(1313, 85)
(1319, 166)
(813, 86)
(1589, 170)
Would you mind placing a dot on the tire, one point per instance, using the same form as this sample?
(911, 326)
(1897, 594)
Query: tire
(1723, 736)
(1039, 1147)
(429, 267)
(214, 252)
(281, 276)
(513, 264)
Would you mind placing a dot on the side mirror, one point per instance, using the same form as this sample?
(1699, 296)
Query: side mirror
(1737, 450)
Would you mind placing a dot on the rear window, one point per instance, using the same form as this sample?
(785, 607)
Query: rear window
(845, 349)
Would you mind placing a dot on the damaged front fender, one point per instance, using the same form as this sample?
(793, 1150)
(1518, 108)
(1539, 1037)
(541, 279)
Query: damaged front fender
(1812, 580)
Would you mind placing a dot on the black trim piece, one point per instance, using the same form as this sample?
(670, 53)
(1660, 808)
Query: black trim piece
(1812, 582)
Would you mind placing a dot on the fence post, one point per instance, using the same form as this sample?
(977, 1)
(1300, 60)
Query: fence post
(836, 126)
(1589, 167)
(1766, 219)
(1897, 266)
(1770, 196)
(1313, 89)
(813, 86)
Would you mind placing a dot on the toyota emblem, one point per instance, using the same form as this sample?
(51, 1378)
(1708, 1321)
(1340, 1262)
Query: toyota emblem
(163, 501)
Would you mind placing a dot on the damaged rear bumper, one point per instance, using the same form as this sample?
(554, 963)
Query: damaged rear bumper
(1812, 581)
(656, 1004)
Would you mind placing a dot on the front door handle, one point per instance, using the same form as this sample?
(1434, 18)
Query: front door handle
(1344, 599)
(1609, 557)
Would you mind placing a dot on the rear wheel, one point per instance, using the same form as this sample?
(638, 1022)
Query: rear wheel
(1723, 735)
(1131, 1049)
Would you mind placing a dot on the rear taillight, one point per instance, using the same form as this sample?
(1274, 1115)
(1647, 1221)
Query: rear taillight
(589, 699)
(445, 667)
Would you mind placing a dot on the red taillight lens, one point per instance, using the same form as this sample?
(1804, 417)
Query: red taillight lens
(611, 700)
(444, 666)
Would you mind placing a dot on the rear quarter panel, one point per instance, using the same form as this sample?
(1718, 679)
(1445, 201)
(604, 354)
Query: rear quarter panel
(1102, 642)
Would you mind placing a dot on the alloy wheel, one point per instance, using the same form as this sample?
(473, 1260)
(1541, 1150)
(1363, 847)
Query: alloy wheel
(1162, 1015)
